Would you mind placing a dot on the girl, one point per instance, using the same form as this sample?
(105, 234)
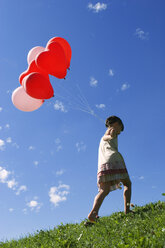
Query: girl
(111, 168)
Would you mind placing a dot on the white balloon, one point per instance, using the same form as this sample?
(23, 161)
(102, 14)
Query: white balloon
(33, 53)
(24, 102)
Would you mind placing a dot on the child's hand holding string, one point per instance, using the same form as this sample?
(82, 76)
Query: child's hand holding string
(110, 134)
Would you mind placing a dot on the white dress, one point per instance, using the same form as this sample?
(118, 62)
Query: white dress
(111, 165)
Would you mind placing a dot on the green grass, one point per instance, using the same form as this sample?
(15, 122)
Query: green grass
(144, 228)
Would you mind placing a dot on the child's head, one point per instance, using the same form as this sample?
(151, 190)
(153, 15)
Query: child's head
(116, 122)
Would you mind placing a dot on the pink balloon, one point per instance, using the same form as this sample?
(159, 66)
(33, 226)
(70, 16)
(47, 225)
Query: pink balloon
(24, 102)
(33, 53)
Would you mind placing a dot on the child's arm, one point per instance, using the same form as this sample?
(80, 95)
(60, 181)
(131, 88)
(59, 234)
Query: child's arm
(109, 134)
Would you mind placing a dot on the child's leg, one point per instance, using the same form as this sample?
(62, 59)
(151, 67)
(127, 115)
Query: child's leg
(127, 194)
(104, 191)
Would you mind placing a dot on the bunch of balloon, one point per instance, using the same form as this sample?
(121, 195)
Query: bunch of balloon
(35, 87)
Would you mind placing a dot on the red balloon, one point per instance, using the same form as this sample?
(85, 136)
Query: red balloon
(65, 45)
(38, 86)
(53, 60)
(32, 68)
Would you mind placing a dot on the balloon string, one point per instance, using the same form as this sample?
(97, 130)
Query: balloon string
(73, 106)
(98, 117)
(73, 98)
(84, 98)
(78, 103)
(69, 102)
(90, 109)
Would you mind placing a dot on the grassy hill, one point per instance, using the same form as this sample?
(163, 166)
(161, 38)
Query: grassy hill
(144, 228)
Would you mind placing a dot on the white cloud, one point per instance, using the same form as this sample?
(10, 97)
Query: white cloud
(7, 126)
(22, 188)
(59, 145)
(1, 109)
(0, 128)
(24, 210)
(36, 163)
(141, 34)
(58, 194)
(4, 175)
(11, 210)
(141, 177)
(31, 148)
(97, 7)
(34, 205)
(125, 86)
(12, 184)
(111, 72)
(100, 106)
(15, 145)
(60, 172)
(80, 146)
(57, 141)
(60, 106)
(9, 140)
(93, 82)
(153, 187)
(2, 145)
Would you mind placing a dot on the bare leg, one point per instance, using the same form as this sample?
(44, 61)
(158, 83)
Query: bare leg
(127, 195)
(104, 191)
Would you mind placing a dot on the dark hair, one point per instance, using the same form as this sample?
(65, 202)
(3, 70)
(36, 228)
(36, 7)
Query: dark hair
(112, 119)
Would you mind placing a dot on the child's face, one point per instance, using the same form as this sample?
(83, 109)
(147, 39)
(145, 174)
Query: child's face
(117, 127)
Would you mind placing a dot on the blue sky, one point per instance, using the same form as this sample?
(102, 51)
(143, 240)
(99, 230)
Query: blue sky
(48, 158)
